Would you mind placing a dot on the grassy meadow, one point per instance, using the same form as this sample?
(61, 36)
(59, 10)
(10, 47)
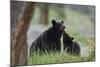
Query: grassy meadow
(58, 57)
(78, 25)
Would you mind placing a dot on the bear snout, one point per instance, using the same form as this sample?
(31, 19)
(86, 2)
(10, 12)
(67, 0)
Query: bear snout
(62, 28)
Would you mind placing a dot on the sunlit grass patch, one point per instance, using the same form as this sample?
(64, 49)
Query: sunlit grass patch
(56, 57)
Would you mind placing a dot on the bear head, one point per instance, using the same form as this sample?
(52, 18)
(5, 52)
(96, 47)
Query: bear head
(55, 32)
(58, 25)
(67, 39)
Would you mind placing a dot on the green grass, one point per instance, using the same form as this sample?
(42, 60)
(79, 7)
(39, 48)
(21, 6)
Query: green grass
(57, 57)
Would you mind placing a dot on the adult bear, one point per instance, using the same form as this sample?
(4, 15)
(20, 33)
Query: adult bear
(49, 40)
(73, 47)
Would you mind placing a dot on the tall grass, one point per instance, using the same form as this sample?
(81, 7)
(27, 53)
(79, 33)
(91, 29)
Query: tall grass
(56, 57)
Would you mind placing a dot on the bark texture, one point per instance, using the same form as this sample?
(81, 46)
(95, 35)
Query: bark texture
(19, 47)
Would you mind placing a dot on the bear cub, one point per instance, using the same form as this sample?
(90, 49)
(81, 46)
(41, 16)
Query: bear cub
(49, 40)
(73, 47)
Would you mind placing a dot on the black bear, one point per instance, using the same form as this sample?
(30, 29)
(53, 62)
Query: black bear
(49, 40)
(73, 47)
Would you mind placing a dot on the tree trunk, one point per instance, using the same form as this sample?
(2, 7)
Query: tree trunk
(45, 14)
(19, 49)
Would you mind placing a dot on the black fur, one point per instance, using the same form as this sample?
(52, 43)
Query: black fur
(72, 46)
(49, 40)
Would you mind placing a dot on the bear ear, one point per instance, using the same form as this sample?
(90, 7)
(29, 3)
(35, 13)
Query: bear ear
(72, 38)
(53, 22)
(62, 21)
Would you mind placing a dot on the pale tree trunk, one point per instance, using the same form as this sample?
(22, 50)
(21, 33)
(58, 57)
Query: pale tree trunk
(19, 49)
(45, 14)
